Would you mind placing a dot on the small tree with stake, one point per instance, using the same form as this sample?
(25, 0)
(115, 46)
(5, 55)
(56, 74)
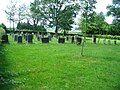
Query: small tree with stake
(87, 7)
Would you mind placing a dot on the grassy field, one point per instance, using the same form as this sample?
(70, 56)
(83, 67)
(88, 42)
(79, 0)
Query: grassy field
(56, 66)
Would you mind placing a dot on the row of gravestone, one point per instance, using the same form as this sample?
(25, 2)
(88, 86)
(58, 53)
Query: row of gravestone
(45, 39)
(94, 40)
(29, 39)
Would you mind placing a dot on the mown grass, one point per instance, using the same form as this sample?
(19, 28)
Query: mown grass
(56, 66)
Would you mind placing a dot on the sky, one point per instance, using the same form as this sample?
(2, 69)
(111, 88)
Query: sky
(100, 6)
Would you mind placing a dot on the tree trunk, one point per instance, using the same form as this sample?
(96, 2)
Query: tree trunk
(13, 26)
(83, 44)
(10, 25)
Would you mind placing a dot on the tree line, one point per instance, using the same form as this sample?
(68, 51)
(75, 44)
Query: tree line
(60, 15)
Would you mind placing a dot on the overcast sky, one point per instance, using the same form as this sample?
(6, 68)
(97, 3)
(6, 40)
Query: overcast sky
(100, 6)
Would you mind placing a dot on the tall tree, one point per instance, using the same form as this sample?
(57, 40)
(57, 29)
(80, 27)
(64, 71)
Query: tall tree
(35, 12)
(96, 24)
(87, 9)
(59, 15)
(114, 10)
(11, 11)
(15, 12)
(21, 12)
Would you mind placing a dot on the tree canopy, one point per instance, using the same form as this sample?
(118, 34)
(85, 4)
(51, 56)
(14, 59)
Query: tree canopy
(59, 15)
(114, 10)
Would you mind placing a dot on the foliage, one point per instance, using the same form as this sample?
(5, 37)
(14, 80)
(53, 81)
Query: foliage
(2, 31)
(28, 26)
(96, 24)
(87, 9)
(114, 10)
(35, 12)
(59, 15)
(15, 12)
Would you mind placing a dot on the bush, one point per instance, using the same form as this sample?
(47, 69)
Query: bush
(2, 31)
(28, 26)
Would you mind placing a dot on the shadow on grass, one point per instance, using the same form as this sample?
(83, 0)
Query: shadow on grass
(5, 78)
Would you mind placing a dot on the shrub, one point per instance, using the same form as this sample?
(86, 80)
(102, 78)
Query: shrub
(2, 31)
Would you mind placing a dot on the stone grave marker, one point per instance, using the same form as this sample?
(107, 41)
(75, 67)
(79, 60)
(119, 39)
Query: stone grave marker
(94, 39)
(79, 40)
(15, 37)
(4, 39)
(61, 40)
(72, 39)
(115, 42)
(29, 38)
(45, 40)
(19, 39)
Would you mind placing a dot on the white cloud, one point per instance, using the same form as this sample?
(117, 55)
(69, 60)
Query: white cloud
(101, 5)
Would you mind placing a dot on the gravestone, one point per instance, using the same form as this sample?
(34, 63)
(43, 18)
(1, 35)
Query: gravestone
(29, 38)
(61, 40)
(94, 39)
(78, 40)
(15, 37)
(72, 39)
(49, 37)
(67, 38)
(109, 42)
(45, 40)
(19, 39)
(4, 39)
(115, 42)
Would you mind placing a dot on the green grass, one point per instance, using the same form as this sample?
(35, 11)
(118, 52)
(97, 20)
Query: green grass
(56, 66)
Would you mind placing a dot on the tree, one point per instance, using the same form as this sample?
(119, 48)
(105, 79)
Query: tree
(35, 12)
(15, 12)
(87, 8)
(97, 24)
(2, 31)
(11, 11)
(59, 15)
(21, 12)
(27, 26)
(114, 10)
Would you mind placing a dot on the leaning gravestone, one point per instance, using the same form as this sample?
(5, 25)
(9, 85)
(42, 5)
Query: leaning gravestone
(19, 39)
(4, 39)
(29, 38)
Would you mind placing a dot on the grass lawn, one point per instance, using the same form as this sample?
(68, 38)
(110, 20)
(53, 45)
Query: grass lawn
(56, 66)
